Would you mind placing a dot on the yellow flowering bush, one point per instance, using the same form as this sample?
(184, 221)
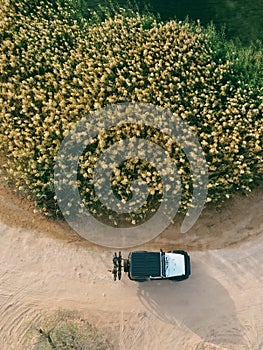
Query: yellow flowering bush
(57, 66)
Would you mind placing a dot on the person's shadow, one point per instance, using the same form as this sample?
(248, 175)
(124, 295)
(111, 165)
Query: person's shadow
(200, 303)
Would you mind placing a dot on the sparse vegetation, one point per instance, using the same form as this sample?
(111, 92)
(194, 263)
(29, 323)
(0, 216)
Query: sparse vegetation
(65, 330)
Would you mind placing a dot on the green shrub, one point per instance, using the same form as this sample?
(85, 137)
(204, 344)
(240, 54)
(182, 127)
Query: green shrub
(57, 66)
(66, 330)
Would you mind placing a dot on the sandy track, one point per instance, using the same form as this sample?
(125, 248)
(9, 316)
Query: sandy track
(219, 307)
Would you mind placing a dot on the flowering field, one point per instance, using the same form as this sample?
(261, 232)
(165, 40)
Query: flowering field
(57, 66)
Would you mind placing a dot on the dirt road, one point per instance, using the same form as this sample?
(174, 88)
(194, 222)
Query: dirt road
(219, 307)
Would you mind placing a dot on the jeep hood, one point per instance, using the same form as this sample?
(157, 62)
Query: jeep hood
(174, 264)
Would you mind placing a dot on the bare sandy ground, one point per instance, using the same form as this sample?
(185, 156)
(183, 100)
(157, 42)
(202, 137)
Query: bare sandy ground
(45, 266)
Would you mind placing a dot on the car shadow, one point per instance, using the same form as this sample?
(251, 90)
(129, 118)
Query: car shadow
(200, 303)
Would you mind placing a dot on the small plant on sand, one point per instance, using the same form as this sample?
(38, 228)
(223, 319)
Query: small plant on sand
(65, 330)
